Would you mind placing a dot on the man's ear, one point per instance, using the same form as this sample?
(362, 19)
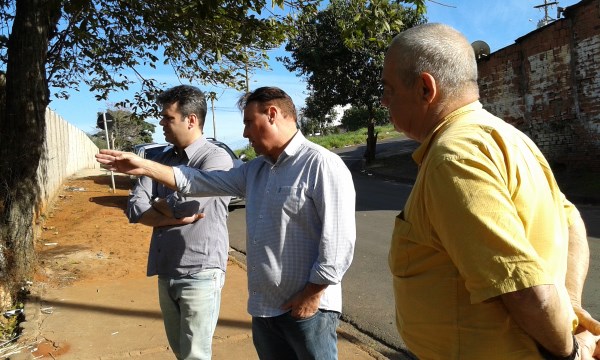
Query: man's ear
(193, 120)
(429, 87)
(272, 113)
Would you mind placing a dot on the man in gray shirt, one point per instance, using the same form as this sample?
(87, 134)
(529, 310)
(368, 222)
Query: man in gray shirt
(189, 256)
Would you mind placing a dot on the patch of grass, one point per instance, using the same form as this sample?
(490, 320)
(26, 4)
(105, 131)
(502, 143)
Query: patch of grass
(10, 320)
(8, 327)
(337, 141)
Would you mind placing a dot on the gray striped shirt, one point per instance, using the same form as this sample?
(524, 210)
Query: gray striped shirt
(177, 251)
(300, 215)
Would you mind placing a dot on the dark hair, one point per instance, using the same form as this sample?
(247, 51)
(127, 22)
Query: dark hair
(267, 96)
(190, 99)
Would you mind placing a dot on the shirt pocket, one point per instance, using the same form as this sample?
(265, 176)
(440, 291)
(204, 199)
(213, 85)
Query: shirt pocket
(290, 198)
(398, 257)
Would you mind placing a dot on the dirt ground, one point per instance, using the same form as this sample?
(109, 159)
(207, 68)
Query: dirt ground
(86, 236)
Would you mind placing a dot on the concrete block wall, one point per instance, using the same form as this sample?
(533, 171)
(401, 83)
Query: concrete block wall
(67, 150)
(548, 85)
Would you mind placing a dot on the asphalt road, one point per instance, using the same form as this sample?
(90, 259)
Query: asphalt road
(367, 286)
(368, 297)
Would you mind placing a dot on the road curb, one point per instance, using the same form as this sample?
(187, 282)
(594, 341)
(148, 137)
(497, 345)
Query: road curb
(368, 344)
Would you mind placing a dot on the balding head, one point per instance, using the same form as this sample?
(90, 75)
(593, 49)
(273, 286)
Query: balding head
(441, 51)
(428, 72)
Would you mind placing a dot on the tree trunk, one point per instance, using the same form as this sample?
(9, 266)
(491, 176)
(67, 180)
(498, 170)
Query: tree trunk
(371, 138)
(22, 134)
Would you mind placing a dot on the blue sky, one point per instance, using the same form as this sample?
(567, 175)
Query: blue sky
(498, 23)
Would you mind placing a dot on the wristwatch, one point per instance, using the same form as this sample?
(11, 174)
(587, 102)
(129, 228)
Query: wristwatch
(549, 356)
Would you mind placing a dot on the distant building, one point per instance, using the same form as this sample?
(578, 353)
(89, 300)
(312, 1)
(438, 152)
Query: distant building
(339, 111)
(332, 120)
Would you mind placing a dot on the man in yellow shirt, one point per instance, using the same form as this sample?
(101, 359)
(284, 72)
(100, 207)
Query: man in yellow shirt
(488, 257)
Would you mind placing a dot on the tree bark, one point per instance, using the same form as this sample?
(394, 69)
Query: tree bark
(371, 138)
(22, 134)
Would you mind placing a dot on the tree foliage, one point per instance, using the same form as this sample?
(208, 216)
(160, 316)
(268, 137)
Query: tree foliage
(358, 117)
(316, 109)
(340, 52)
(109, 45)
(317, 122)
(126, 130)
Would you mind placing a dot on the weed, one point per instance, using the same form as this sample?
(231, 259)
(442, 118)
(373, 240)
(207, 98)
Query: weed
(11, 319)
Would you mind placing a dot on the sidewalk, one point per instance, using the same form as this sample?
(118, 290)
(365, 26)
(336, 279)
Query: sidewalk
(102, 306)
(122, 320)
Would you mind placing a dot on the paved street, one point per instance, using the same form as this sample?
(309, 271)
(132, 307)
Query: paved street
(368, 297)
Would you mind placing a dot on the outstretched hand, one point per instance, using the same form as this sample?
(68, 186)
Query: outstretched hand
(119, 161)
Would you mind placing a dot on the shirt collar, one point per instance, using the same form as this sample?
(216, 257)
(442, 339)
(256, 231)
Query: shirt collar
(191, 149)
(290, 150)
(420, 153)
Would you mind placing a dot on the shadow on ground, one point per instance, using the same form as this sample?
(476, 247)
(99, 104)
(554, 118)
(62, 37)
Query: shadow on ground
(580, 187)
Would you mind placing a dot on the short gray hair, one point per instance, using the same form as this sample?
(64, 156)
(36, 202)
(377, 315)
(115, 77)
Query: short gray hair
(439, 50)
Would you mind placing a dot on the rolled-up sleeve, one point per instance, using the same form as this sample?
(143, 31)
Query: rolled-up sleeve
(335, 200)
(183, 207)
(190, 181)
(140, 199)
(183, 176)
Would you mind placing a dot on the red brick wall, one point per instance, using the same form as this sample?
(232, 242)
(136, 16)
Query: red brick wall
(548, 85)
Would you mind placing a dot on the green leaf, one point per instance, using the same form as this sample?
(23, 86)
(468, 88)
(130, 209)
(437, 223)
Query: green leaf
(339, 51)
(386, 26)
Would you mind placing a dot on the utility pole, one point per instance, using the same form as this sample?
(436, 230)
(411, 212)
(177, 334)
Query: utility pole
(247, 79)
(212, 96)
(246, 69)
(112, 174)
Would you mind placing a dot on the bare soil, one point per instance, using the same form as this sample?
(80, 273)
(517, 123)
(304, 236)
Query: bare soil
(86, 236)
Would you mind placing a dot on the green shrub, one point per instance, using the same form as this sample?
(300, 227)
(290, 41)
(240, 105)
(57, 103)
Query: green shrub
(248, 151)
(358, 117)
(357, 137)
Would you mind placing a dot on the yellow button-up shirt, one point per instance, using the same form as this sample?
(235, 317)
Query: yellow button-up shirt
(485, 217)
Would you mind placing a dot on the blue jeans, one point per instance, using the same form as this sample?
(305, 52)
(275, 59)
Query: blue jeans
(286, 338)
(190, 308)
